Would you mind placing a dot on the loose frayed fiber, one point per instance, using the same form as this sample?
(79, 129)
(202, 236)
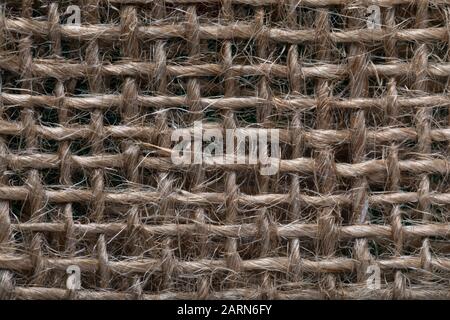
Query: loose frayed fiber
(351, 99)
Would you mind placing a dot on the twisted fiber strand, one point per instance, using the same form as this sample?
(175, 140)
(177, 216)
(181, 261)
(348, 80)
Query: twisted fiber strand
(5, 220)
(64, 147)
(130, 112)
(296, 86)
(325, 176)
(363, 169)
(394, 174)
(233, 257)
(267, 242)
(197, 173)
(447, 18)
(106, 101)
(165, 180)
(291, 230)
(185, 197)
(34, 204)
(359, 88)
(96, 85)
(241, 293)
(333, 265)
(423, 124)
(62, 70)
(235, 31)
(396, 213)
(306, 3)
(312, 137)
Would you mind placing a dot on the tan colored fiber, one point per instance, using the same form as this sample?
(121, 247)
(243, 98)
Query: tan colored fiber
(86, 172)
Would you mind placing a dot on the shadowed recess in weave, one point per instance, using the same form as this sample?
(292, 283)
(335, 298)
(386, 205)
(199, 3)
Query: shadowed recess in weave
(86, 177)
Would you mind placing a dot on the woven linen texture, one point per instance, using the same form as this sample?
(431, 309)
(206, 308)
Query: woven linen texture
(86, 116)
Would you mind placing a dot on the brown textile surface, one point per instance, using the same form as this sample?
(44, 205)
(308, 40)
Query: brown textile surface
(86, 116)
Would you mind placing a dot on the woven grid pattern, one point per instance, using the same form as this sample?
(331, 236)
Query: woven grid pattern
(87, 114)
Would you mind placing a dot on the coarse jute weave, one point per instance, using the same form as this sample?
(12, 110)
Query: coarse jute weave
(86, 116)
